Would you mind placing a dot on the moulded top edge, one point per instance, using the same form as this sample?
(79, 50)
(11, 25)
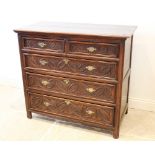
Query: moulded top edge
(121, 31)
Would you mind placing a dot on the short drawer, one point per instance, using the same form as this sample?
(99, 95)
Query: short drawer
(94, 49)
(44, 44)
(81, 67)
(72, 109)
(72, 87)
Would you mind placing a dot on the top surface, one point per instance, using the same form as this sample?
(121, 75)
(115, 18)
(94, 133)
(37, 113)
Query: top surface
(122, 31)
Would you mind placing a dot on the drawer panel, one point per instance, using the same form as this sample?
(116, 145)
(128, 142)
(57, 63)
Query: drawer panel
(44, 44)
(96, 49)
(72, 87)
(72, 109)
(82, 67)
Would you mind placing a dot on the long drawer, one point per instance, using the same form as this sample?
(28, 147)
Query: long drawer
(72, 87)
(72, 109)
(81, 67)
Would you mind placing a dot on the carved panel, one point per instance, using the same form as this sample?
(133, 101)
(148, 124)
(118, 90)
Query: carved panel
(72, 87)
(84, 67)
(74, 109)
(101, 49)
(57, 45)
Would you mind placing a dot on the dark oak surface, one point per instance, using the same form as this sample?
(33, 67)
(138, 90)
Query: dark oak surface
(98, 69)
(80, 29)
(74, 109)
(72, 87)
(77, 72)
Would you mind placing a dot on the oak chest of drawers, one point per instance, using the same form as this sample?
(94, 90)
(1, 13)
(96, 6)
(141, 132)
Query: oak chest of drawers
(77, 72)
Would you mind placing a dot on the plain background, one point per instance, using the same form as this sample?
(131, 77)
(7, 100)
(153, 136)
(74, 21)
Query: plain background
(15, 13)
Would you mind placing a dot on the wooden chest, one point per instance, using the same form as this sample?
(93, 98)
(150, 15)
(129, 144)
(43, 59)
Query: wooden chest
(77, 72)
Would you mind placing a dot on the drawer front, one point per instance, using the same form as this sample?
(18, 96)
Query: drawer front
(72, 87)
(82, 67)
(96, 49)
(73, 109)
(44, 44)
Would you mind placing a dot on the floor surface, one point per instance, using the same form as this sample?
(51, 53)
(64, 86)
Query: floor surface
(14, 125)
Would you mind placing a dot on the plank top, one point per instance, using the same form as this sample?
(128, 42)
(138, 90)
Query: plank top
(122, 31)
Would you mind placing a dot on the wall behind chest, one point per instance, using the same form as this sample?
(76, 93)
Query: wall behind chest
(14, 14)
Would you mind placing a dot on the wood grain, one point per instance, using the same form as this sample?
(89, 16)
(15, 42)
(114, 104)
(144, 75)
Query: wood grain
(77, 72)
(80, 29)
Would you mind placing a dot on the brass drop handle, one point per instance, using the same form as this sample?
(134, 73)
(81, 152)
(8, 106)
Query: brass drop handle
(41, 44)
(46, 104)
(66, 60)
(90, 90)
(45, 82)
(43, 62)
(90, 112)
(68, 102)
(90, 68)
(91, 49)
(66, 81)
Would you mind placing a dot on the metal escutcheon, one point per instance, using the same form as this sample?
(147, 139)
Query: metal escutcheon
(91, 49)
(44, 82)
(41, 44)
(89, 112)
(68, 102)
(46, 104)
(90, 68)
(66, 61)
(66, 81)
(90, 90)
(43, 62)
